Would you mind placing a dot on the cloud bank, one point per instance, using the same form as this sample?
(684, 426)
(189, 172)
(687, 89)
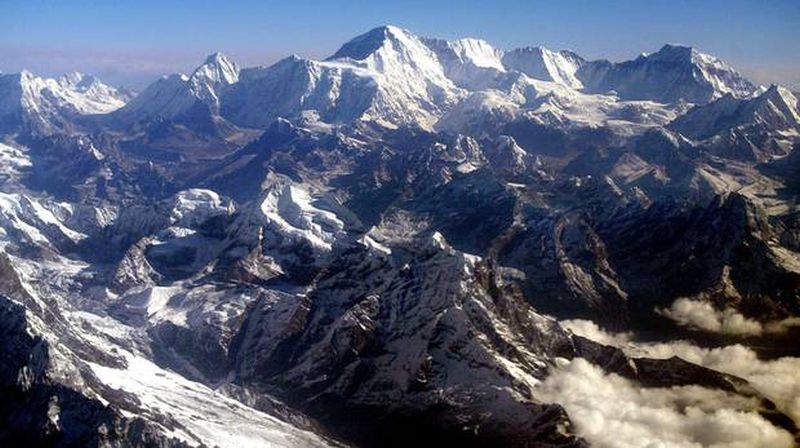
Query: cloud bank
(611, 411)
(778, 380)
(702, 315)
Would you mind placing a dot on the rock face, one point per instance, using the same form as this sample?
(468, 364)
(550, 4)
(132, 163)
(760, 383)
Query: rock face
(381, 248)
(438, 350)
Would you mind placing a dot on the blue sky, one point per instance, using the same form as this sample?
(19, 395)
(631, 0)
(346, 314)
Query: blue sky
(133, 42)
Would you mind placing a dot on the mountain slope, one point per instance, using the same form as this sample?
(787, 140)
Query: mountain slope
(759, 127)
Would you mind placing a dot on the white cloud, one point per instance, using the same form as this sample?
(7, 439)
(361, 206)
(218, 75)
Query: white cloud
(611, 411)
(778, 380)
(703, 316)
(590, 330)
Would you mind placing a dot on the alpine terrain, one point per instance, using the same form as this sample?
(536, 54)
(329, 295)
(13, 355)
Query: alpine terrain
(410, 242)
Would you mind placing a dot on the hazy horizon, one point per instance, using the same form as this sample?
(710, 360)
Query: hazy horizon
(127, 47)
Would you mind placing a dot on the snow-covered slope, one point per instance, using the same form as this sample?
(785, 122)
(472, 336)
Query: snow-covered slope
(775, 110)
(756, 128)
(470, 63)
(540, 63)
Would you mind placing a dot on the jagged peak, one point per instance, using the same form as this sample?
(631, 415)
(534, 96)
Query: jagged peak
(217, 58)
(292, 59)
(686, 54)
(286, 63)
(680, 53)
(74, 76)
(783, 98)
(775, 90)
(80, 80)
(475, 44)
(26, 75)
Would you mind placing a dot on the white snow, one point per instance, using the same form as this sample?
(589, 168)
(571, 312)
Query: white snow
(478, 52)
(34, 218)
(290, 209)
(206, 416)
(195, 206)
(14, 161)
(84, 93)
(545, 65)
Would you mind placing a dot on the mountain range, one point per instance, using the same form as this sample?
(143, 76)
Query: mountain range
(412, 241)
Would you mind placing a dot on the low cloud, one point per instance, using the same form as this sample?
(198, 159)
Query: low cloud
(702, 315)
(777, 379)
(591, 330)
(611, 411)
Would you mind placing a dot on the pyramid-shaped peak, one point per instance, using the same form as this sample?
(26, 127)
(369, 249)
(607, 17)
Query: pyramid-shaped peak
(217, 58)
(780, 94)
(217, 68)
(674, 52)
(362, 46)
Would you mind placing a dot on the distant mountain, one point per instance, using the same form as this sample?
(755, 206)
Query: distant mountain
(47, 105)
(391, 76)
(671, 74)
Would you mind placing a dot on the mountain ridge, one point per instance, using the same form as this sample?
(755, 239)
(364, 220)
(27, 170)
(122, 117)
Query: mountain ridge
(404, 65)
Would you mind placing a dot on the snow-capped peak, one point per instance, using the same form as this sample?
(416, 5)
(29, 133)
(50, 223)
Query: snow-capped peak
(76, 78)
(721, 77)
(364, 45)
(173, 95)
(774, 110)
(470, 63)
(785, 95)
(218, 69)
(672, 52)
(540, 63)
(391, 50)
(410, 78)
